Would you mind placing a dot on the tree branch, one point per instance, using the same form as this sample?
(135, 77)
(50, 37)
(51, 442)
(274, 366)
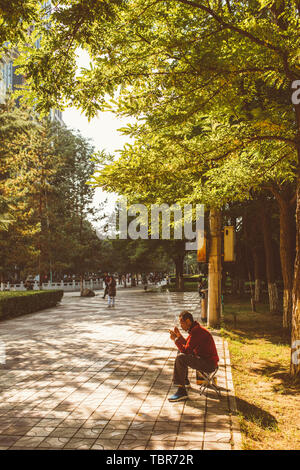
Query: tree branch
(256, 139)
(238, 30)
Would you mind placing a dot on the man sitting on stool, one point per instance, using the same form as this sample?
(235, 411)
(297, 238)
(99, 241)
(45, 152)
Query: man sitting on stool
(197, 351)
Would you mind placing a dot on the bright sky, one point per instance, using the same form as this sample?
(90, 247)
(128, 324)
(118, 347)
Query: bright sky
(103, 131)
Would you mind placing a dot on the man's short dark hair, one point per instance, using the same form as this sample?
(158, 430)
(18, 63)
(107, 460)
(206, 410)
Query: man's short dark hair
(185, 315)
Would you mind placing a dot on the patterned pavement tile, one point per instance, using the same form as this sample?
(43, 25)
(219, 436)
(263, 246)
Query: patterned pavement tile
(16, 430)
(215, 436)
(135, 444)
(7, 441)
(118, 425)
(59, 389)
(88, 433)
(28, 441)
(141, 417)
(106, 444)
(141, 426)
(63, 432)
(216, 446)
(166, 426)
(163, 445)
(52, 422)
(40, 431)
(70, 423)
(163, 436)
(79, 444)
(53, 443)
(132, 434)
(113, 435)
(188, 445)
(191, 427)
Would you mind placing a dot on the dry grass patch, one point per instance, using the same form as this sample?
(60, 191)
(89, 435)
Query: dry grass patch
(268, 400)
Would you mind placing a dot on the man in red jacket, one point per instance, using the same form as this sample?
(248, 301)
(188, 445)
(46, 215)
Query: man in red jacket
(197, 351)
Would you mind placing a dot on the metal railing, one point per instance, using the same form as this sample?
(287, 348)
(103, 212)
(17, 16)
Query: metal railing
(67, 286)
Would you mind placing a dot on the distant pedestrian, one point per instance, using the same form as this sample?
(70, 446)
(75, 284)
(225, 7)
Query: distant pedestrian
(105, 280)
(111, 291)
(200, 288)
(145, 281)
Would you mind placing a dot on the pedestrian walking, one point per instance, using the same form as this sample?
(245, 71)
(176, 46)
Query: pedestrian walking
(201, 287)
(106, 280)
(145, 282)
(111, 291)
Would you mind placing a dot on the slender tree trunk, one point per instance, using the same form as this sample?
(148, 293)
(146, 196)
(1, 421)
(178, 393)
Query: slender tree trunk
(286, 257)
(179, 273)
(241, 287)
(178, 255)
(80, 238)
(270, 265)
(257, 274)
(81, 284)
(234, 286)
(214, 269)
(295, 337)
(40, 238)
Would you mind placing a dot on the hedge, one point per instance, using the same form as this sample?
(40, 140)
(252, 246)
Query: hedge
(14, 304)
(194, 278)
(188, 287)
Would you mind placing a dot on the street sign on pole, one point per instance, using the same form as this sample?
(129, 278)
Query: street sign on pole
(229, 242)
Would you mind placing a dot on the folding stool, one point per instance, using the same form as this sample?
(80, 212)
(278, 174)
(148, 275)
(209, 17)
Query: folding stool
(209, 382)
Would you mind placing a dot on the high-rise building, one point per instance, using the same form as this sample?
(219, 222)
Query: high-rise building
(6, 77)
(10, 79)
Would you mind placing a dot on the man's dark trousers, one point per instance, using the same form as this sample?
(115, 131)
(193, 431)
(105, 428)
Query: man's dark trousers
(183, 361)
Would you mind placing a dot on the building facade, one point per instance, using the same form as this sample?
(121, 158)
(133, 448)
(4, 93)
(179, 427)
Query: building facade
(10, 80)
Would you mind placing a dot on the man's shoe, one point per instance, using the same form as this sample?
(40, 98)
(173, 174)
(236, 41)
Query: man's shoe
(181, 394)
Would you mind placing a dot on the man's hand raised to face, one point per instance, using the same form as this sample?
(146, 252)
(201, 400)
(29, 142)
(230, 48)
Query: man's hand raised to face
(172, 335)
(177, 332)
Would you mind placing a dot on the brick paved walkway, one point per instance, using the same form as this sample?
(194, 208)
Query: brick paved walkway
(82, 376)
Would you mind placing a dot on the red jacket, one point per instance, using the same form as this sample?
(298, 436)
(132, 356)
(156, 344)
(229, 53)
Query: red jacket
(199, 343)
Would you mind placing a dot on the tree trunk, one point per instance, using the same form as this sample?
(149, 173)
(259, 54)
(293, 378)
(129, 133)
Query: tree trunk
(286, 257)
(179, 273)
(257, 290)
(270, 265)
(287, 243)
(241, 287)
(257, 260)
(295, 358)
(214, 270)
(81, 284)
(234, 286)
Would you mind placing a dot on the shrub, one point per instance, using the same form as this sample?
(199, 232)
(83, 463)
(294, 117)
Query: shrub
(14, 304)
(188, 287)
